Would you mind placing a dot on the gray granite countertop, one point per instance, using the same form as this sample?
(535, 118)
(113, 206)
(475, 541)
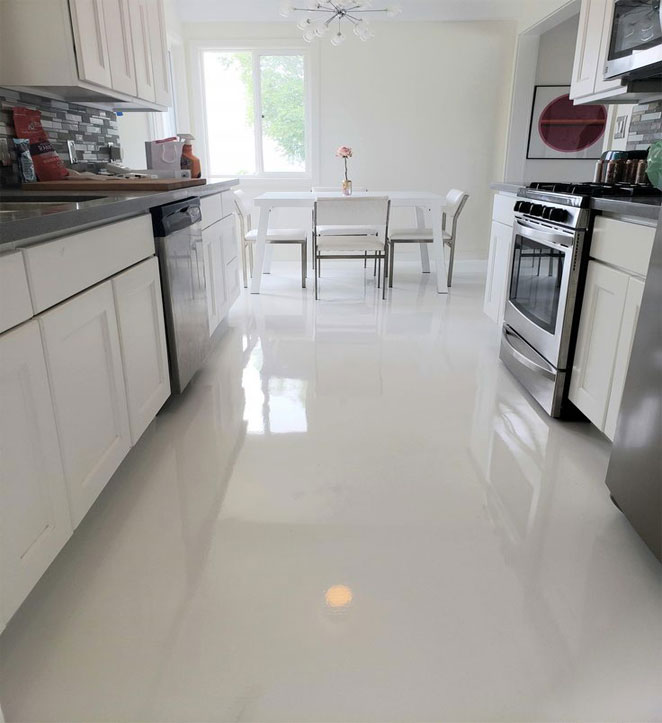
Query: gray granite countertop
(506, 187)
(635, 208)
(31, 224)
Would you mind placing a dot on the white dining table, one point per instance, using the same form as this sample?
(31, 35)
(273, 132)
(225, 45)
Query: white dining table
(422, 201)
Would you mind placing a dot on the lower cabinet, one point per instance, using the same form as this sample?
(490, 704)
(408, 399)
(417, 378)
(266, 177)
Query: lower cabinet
(82, 347)
(34, 510)
(219, 244)
(610, 311)
(498, 269)
(139, 310)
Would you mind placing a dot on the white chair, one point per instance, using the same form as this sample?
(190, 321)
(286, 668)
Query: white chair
(347, 214)
(455, 202)
(274, 236)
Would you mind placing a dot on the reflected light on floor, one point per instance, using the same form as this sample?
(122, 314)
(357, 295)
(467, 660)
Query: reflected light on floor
(338, 596)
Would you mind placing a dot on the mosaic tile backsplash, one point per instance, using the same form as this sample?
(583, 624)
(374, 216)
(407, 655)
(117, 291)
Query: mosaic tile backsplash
(645, 126)
(91, 129)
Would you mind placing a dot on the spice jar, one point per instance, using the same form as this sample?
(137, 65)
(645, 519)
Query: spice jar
(631, 166)
(599, 172)
(641, 177)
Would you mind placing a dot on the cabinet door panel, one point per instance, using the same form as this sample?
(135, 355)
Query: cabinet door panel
(85, 369)
(232, 282)
(89, 28)
(33, 498)
(602, 85)
(597, 341)
(142, 50)
(159, 51)
(120, 47)
(498, 269)
(633, 299)
(139, 308)
(214, 275)
(587, 51)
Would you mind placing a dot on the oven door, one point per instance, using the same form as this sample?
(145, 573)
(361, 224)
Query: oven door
(538, 288)
(635, 49)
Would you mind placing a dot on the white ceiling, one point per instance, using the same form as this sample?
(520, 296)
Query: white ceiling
(267, 10)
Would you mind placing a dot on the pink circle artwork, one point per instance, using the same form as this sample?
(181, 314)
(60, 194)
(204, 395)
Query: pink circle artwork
(569, 128)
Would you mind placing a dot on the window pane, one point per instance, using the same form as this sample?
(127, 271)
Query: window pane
(228, 80)
(283, 113)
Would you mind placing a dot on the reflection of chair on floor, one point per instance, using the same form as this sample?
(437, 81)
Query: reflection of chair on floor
(360, 226)
(286, 236)
(455, 202)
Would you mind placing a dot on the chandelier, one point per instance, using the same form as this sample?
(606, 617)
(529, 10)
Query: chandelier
(324, 15)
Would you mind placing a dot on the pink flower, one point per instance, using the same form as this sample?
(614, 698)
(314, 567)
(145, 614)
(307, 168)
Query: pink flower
(344, 152)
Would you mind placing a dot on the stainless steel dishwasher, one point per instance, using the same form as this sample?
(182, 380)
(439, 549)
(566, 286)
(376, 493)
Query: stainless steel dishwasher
(178, 238)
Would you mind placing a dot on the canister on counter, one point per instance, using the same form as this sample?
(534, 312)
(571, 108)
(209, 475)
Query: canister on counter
(630, 175)
(614, 171)
(599, 172)
(641, 177)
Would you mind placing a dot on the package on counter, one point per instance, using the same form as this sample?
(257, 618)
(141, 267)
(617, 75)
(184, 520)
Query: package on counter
(25, 162)
(48, 165)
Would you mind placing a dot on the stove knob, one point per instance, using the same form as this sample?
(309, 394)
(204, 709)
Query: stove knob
(547, 212)
(559, 215)
(526, 207)
(536, 209)
(518, 206)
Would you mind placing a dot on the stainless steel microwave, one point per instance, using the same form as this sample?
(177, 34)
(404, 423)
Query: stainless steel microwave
(635, 49)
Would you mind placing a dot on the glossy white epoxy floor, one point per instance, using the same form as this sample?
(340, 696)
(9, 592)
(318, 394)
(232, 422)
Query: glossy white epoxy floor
(365, 455)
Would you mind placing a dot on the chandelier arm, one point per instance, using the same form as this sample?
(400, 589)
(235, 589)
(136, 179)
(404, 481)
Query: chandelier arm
(314, 10)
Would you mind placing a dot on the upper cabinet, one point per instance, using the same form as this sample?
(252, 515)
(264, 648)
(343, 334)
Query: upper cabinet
(98, 51)
(591, 54)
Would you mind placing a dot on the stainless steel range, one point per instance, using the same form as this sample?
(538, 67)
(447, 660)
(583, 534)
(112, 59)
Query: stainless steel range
(546, 282)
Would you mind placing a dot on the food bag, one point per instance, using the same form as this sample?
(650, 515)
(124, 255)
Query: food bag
(164, 155)
(48, 165)
(654, 167)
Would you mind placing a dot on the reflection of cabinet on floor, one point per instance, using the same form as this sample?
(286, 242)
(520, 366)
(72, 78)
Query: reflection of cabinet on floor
(620, 253)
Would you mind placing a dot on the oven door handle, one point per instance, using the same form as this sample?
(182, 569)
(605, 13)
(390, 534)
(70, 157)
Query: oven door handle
(523, 359)
(544, 237)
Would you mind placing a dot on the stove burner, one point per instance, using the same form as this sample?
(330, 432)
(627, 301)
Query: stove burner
(597, 190)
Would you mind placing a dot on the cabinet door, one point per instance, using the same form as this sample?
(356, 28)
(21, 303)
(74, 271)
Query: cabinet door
(34, 510)
(142, 51)
(602, 85)
(628, 328)
(87, 17)
(587, 51)
(84, 362)
(159, 50)
(212, 247)
(597, 341)
(139, 308)
(498, 270)
(120, 47)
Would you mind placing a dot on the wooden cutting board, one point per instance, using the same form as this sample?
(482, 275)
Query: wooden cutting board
(119, 184)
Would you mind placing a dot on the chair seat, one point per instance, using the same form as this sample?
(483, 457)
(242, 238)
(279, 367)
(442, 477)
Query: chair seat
(350, 243)
(414, 234)
(280, 235)
(326, 230)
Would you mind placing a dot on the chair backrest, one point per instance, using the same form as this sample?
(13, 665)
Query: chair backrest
(353, 211)
(332, 189)
(241, 207)
(455, 202)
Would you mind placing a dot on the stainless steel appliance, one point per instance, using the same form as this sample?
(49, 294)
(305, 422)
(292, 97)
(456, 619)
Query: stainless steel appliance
(546, 279)
(178, 236)
(635, 50)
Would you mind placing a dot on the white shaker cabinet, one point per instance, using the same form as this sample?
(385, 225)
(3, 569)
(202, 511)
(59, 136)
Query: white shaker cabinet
(84, 362)
(143, 343)
(498, 268)
(89, 26)
(628, 328)
(598, 340)
(34, 508)
(217, 299)
(142, 48)
(120, 46)
(587, 51)
(159, 51)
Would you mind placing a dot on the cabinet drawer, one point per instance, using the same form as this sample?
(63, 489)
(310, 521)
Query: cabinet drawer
(622, 244)
(504, 209)
(212, 209)
(15, 304)
(62, 268)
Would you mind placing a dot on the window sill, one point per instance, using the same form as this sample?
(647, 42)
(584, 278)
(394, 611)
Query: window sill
(294, 181)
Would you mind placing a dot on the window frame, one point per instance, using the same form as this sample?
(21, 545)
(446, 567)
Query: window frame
(259, 49)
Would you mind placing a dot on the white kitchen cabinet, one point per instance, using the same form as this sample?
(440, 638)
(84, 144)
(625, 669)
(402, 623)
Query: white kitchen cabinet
(83, 356)
(139, 309)
(120, 46)
(598, 340)
(142, 48)
(159, 51)
(587, 51)
(217, 299)
(34, 509)
(89, 26)
(498, 270)
(628, 328)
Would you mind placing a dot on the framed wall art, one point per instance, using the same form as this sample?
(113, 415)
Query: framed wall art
(560, 129)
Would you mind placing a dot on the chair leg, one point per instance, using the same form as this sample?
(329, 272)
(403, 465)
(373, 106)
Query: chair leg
(390, 266)
(250, 258)
(244, 270)
(304, 263)
(379, 269)
(316, 263)
(386, 271)
(365, 259)
(374, 271)
(451, 259)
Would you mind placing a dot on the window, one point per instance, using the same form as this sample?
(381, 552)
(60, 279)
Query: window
(256, 112)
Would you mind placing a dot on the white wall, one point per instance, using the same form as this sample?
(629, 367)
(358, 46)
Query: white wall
(424, 105)
(555, 59)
